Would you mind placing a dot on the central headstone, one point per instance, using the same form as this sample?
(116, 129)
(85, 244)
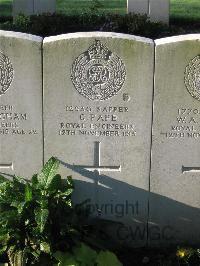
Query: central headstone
(97, 121)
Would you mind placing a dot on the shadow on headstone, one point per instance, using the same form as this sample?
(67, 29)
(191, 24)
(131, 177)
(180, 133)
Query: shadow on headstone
(121, 202)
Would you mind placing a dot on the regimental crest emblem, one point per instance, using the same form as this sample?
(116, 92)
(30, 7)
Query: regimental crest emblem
(6, 73)
(98, 74)
(192, 77)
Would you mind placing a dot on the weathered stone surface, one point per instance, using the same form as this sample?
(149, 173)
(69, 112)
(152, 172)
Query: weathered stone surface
(156, 10)
(138, 6)
(21, 138)
(175, 176)
(159, 10)
(30, 7)
(23, 6)
(44, 6)
(97, 121)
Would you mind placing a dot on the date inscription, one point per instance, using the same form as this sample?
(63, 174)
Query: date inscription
(106, 121)
(185, 125)
(13, 122)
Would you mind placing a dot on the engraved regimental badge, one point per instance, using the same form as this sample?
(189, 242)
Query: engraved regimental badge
(98, 74)
(192, 77)
(6, 73)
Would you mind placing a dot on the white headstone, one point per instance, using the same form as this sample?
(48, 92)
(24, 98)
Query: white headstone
(21, 138)
(97, 121)
(138, 6)
(23, 7)
(44, 6)
(31, 7)
(159, 10)
(175, 175)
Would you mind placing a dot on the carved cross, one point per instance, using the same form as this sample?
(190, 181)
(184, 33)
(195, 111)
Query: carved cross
(190, 169)
(6, 166)
(97, 167)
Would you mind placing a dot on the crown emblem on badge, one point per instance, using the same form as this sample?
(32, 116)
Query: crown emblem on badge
(98, 51)
(98, 74)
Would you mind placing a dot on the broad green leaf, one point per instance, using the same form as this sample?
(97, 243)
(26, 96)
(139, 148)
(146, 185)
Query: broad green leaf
(69, 203)
(34, 180)
(107, 258)
(41, 217)
(41, 181)
(66, 193)
(67, 183)
(28, 192)
(19, 205)
(84, 254)
(55, 183)
(2, 250)
(44, 203)
(45, 247)
(9, 216)
(6, 192)
(65, 259)
(20, 179)
(4, 237)
(70, 181)
(36, 253)
(48, 172)
(3, 179)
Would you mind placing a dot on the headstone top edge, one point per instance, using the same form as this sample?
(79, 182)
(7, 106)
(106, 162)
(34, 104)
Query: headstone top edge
(20, 35)
(178, 38)
(97, 34)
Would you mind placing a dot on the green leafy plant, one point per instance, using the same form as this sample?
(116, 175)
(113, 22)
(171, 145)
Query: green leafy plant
(92, 20)
(38, 219)
(85, 256)
(30, 214)
(22, 21)
(95, 5)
